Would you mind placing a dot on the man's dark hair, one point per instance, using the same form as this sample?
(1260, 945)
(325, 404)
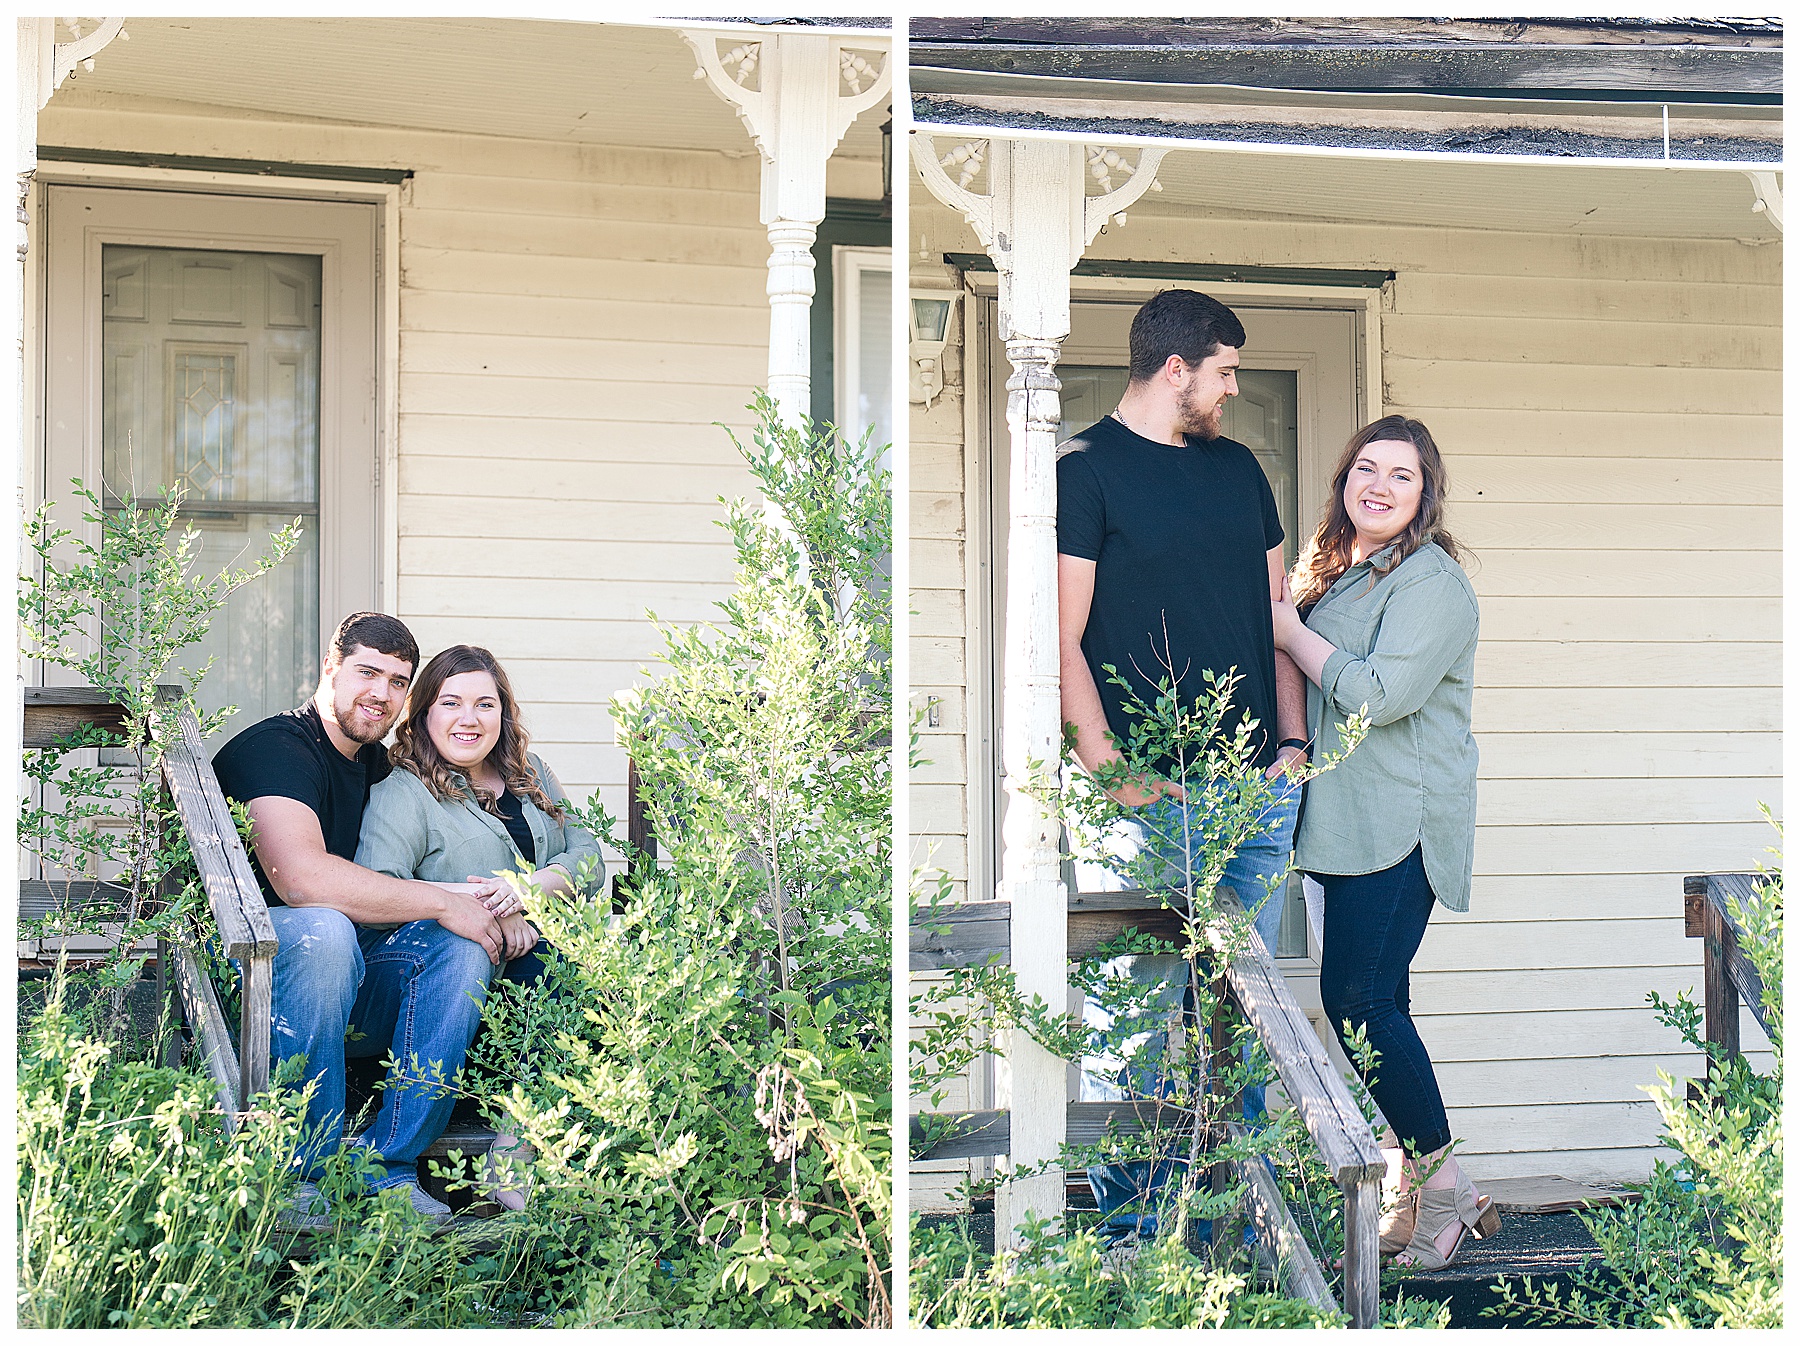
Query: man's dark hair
(1180, 322)
(375, 631)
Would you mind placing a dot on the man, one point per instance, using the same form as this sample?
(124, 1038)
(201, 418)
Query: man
(1169, 551)
(390, 963)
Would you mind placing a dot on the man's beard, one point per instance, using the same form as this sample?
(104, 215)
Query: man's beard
(357, 729)
(1197, 423)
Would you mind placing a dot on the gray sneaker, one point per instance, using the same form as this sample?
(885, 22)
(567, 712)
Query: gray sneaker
(422, 1201)
(307, 1210)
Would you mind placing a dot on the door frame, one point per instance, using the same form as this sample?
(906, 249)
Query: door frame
(984, 799)
(387, 198)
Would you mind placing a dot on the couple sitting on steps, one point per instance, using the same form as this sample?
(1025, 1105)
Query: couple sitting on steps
(383, 873)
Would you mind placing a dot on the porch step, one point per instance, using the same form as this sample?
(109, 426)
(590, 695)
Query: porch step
(1548, 1195)
(1547, 1246)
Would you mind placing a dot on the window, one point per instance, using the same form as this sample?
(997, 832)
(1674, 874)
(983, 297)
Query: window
(864, 289)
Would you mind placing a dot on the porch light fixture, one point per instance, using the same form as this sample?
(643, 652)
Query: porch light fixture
(928, 327)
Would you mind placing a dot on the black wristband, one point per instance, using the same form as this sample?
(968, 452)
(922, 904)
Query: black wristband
(1299, 743)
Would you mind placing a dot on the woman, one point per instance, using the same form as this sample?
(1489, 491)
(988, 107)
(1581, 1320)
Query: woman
(1389, 631)
(466, 802)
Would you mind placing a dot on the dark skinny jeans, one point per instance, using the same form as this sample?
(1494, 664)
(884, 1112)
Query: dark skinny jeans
(1373, 926)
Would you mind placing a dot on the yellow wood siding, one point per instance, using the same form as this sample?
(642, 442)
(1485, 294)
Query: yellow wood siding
(938, 633)
(1609, 409)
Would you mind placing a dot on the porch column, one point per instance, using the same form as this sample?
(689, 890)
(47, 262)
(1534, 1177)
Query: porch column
(797, 94)
(1035, 220)
(42, 64)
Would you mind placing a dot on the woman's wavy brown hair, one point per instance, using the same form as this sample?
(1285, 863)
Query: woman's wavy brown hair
(414, 750)
(1327, 555)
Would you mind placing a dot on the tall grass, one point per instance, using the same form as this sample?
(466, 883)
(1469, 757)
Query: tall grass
(136, 1207)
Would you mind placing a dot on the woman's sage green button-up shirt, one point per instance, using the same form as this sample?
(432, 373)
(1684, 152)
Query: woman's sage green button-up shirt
(410, 833)
(1406, 652)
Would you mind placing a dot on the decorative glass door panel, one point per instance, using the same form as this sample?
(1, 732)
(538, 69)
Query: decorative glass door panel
(1265, 417)
(210, 385)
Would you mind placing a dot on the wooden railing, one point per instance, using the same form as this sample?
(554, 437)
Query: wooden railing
(1731, 978)
(239, 913)
(977, 933)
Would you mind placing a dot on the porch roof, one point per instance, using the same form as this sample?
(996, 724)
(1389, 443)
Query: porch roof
(590, 83)
(1401, 122)
(1558, 125)
(1350, 158)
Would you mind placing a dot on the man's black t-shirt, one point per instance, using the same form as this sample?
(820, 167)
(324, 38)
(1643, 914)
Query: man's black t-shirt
(1180, 538)
(290, 756)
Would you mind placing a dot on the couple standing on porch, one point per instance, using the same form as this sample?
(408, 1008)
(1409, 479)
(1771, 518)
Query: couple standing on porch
(385, 872)
(1170, 556)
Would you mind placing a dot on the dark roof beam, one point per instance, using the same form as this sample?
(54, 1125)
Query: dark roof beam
(927, 34)
(1669, 73)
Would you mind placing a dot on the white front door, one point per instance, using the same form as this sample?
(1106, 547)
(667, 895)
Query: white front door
(224, 345)
(1299, 400)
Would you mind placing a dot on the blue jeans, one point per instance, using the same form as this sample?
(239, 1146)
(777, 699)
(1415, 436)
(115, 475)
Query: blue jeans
(416, 991)
(1257, 873)
(1374, 924)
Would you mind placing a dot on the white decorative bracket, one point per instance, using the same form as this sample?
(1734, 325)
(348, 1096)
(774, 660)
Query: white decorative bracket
(80, 50)
(969, 158)
(1768, 196)
(43, 65)
(793, 90)
(797, 93)
(1111, 204)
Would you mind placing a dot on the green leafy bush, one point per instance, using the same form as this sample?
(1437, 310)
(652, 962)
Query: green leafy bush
(114, 606)
(709, 1092)
(1062, 1276)
(1702, 1245)
(136, 1209)
(139, 1208)
(1071, 1280)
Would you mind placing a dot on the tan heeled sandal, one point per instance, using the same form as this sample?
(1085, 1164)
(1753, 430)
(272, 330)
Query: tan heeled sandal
(1397, 1221)
(1437, 1207)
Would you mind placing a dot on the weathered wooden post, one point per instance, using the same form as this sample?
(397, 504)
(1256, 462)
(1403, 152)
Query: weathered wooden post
(1035, 220)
